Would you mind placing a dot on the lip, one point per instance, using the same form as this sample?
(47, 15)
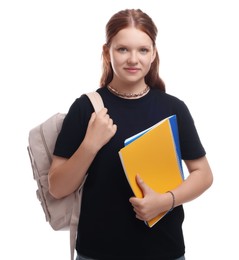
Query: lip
(132, 70)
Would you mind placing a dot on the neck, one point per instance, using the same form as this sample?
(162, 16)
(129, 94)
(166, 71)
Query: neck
(128, 95)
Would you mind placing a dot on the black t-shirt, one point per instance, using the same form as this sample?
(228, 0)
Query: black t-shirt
(108, 228)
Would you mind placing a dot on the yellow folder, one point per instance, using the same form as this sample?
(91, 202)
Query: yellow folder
(155, 155)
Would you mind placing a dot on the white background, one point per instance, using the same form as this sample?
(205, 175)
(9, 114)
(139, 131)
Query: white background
(50, 53)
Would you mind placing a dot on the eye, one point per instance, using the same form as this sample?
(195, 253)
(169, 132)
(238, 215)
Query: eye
(144, 50)
(122, 50)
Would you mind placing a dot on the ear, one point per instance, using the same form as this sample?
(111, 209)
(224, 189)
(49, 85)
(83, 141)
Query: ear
(154, 54)
(106, 52)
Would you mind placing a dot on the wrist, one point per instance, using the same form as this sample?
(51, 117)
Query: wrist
(172, 200)
(89, 146)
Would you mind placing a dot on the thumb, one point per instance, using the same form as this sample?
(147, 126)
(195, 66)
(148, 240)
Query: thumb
(142, 185)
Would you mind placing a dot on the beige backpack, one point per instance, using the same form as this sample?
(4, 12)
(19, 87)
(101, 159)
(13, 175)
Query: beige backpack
(62, 214)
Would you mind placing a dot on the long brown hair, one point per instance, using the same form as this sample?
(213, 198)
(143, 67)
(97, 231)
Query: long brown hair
(141, 21)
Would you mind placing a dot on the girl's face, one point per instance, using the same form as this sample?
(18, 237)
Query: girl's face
(131, 54)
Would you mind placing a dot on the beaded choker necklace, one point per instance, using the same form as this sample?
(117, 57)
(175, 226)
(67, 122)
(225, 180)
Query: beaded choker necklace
(128, 95)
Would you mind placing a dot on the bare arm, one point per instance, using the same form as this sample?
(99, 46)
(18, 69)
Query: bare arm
(66, 175)
(153, 203)
(198, 181)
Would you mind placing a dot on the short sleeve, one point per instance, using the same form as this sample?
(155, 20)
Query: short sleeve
(190, 143)
(73, 128)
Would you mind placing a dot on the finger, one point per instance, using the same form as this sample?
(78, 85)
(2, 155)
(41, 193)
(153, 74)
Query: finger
(144, 188)
(103, 111)
(92, 118)
(137, 212)
(107, 117)
(111, 123)
(135, 202)
(114, 128)
(138, 217)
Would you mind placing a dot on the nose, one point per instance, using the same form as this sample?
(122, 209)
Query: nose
(133, 58)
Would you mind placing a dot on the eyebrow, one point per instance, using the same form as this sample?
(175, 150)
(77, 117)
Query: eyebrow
(127, 46)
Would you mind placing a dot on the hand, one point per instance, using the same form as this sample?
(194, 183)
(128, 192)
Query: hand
(148, 207)
(100, 129)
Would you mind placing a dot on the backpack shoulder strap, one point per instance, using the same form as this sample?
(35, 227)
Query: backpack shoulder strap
(98, 104)
(96, 100)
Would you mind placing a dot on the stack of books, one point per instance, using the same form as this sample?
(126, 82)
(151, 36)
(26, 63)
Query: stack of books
(154, 154)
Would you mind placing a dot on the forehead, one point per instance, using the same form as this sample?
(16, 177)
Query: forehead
(132, 36)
